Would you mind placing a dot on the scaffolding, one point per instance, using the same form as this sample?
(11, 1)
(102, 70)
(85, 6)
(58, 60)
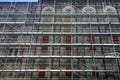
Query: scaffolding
(60, 40)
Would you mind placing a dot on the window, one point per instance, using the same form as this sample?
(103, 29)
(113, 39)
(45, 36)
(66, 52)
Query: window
(88, 10)
(68, 10)
(48, 10)
(109, 10)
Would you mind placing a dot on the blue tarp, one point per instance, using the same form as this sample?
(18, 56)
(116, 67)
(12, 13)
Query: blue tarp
(18, 0)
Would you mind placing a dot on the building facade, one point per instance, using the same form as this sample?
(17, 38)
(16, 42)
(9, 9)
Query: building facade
(60, 40)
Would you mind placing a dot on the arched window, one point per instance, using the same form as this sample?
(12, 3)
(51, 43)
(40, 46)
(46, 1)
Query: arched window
(68, 10)
(48, 10)
(109, 10)
(88, 10)
(47, 19)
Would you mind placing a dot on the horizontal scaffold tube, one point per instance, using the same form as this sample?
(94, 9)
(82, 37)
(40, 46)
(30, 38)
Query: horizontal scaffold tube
(61, 23)
(51, 56)
(58, 70)
(60, 15)
(56, 33)
(59, 44)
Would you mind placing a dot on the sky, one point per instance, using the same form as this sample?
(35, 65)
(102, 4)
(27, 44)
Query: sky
(18, 0)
